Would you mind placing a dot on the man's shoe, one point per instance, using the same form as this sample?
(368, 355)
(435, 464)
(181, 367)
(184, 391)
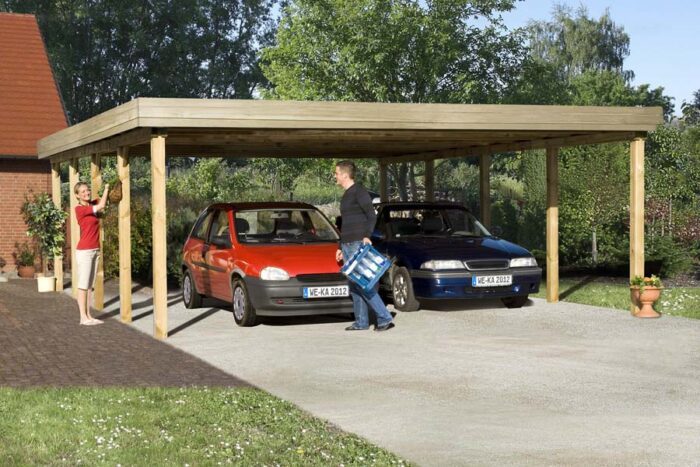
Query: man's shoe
(355, 328)
(385, 327)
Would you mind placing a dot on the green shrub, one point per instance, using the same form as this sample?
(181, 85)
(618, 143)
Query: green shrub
(504, 214)
(141, 246)
(25, 255)
(46, 223)
(181, 218)
(670, 257)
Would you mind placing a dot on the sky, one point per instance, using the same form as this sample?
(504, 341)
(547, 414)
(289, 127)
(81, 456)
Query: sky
(664, 38)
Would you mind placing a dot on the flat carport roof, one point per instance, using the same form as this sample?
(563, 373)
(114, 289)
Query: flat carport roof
(257, 128)
(383, 131)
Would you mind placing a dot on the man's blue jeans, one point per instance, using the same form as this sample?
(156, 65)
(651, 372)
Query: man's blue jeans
(360, 300)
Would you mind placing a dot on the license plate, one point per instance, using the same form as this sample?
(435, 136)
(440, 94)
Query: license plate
(492, 281)
(326, 292)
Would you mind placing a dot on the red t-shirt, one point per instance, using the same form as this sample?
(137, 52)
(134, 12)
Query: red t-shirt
(89, 227)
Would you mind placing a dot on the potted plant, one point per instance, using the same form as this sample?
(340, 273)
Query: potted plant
(3, 263)
(644, 292)
(46, 223)
(24, 259)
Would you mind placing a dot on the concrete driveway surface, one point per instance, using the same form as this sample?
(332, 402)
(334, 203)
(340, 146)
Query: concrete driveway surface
(474, 383)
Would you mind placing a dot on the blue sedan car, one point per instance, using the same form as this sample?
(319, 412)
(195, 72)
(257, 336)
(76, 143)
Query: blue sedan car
(440, 250)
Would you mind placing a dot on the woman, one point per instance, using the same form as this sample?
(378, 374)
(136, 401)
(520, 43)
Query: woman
(87, 253)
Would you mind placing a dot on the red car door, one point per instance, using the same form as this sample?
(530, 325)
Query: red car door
(195, 251)
(218, 256)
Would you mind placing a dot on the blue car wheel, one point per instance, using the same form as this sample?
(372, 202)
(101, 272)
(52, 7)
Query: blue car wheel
(402, 291)
(515, 302)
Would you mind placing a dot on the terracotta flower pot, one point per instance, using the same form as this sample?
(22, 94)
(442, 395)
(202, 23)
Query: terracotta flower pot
(645, 300)
(26, 272)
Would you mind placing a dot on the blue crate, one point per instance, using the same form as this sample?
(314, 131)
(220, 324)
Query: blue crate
(366, 267)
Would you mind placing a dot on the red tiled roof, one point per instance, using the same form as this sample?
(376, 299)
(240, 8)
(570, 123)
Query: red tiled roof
(30, 107)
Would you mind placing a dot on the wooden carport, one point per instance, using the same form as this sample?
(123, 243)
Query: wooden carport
(386, 132)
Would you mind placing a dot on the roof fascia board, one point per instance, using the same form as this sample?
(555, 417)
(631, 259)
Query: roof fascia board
(305, 115)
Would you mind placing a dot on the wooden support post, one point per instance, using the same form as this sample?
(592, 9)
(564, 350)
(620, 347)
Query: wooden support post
(430, 180)
(552, 225)
(56, 196)
(636, 212)
(98, 296)
(73, 178)
(160, 290)
(485, 189)
(124, 235)
(383, 182)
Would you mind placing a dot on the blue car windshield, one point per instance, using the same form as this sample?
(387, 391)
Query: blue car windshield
(431, 221)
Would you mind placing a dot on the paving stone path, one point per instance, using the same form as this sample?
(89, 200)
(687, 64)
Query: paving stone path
(42, 344)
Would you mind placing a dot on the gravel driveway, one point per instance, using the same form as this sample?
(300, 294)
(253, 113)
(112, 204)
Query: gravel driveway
(475, 383)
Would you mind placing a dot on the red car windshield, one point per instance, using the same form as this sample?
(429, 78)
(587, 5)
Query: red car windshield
(283, 226)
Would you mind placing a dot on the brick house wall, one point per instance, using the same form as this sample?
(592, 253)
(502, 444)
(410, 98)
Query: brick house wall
(30, 109)
(18, 177)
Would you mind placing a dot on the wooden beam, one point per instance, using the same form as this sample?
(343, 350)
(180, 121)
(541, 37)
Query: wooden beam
(552, 225)
(430, 180)
(255, 115)
(534, 143)
(636, 212)
(96, 185)
(56, 196)
(383, 182)
(73, 178)
(106, 146)
(160, 266)
(124, 235)
(485, 189)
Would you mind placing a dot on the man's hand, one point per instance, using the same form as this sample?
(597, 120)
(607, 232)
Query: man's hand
(366, 241)
(338, 255)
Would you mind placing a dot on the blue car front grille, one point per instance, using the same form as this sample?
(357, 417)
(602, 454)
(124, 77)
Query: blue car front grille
(487, 264)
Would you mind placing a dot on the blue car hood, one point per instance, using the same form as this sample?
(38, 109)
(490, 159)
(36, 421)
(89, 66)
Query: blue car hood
(416, 250)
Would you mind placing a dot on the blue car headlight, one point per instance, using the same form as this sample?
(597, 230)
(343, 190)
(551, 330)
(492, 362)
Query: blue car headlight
(437, 264)
(523, 262)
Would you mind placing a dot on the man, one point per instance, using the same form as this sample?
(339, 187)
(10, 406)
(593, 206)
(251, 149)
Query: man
(358, 217)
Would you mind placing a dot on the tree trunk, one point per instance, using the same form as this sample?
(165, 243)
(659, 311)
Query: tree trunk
(401, 181)
(594, 246)
(412, 180)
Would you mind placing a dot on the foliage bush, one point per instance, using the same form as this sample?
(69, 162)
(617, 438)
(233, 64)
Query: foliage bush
(141, 245)
(24, 256)
(668, 255)
(181, 218)
(46, 223)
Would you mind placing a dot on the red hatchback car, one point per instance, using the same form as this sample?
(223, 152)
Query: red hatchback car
(267, 259)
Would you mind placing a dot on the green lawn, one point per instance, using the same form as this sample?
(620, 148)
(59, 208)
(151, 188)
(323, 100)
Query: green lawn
(601, 291)
(193, 426)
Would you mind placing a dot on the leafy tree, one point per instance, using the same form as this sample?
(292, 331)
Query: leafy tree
(458, 180)
(532, 223)
(46, 223)
(608, 88)
(538, 83)
(385, 51)
(575, 43)
(393, 51)
(594, 195)
(691, 110)
(208, 181)
(107, 52)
